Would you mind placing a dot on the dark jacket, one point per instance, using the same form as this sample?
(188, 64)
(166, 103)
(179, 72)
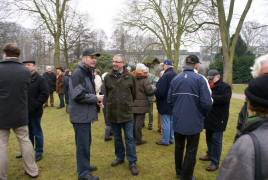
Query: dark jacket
(120, 92)
(60, 84)
(243, 114)
(50, 78)
(14, 84)
(190, 99)
(161, 93)
(143, 90)
(38, 94)
(82, 95)
(217, 118)
(240, 161)
(66, 88)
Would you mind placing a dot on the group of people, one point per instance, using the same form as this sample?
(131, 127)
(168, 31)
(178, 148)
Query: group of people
(187, 103)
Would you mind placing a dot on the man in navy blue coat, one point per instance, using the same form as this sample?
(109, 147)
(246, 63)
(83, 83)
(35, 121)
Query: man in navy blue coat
(163, 107)
(190, 99)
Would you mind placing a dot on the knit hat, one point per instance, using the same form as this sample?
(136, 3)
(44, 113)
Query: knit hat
(257, 90)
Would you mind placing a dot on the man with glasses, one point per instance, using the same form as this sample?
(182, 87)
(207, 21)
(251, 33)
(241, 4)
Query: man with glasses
(120, 91)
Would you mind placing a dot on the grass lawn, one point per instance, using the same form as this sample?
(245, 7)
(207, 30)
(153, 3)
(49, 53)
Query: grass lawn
(154, 162)
(239, 88)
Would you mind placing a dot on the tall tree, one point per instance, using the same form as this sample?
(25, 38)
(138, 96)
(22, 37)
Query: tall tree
(228, 43)
(167, 20)
(52, 13)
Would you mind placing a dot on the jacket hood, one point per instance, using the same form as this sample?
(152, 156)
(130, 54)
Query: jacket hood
(139, 74)
(254, 125)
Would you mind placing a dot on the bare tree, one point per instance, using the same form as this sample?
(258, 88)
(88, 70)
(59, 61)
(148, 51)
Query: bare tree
(167, 20)
(51, 13)
(228, 43)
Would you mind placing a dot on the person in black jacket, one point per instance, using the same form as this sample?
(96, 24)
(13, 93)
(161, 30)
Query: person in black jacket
(14, 83)
(66, 87)
(50, 78)
(217, 118)
(37, 95)
(163, 107)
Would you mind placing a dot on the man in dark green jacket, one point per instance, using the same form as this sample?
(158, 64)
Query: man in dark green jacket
(120, 91)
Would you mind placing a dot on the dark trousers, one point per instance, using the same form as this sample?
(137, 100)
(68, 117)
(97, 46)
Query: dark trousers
(151, 117)
(108, 129)
(82, 141)
(51, 100)
(129, 140)
(138, 125)
(185, 166)
(36, 134)
(61, 97)
(214, 143)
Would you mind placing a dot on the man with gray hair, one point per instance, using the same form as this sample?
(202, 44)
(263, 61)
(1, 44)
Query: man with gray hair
(259, 68)
(120, 92)
(50, 78)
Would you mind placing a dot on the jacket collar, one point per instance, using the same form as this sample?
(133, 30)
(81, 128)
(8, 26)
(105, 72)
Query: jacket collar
(254, 125)
(10, 60)
(188, 68)
(169, 70)
(85, 67)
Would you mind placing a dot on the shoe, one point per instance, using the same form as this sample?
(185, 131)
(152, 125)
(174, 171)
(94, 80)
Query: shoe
(140, 143)
(212, 167)
(116, 162)
(150, 127)
(52, 105)
(134, 170)
(108, 139)
(204, 158)
(161, 143)
(44, 106)
(89, 177)
(38, 157)
(19, 156)
(92, 168)
(30, 175)
(170, 142)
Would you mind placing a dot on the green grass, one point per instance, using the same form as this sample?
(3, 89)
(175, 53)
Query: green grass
(154, 162)
(239, 88)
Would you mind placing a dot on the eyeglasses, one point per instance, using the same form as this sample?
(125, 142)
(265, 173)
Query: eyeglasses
(117, 62)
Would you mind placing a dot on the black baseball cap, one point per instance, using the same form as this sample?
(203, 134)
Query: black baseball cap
(192, 59)
(29, 61)
(90, 52)
(212, 73)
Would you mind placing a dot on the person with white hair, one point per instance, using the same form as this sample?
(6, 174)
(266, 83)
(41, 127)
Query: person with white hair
(141, 103)
(259, 68)
(50, 78)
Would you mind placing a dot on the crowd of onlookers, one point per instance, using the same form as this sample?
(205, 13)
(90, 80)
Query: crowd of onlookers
(187, 103)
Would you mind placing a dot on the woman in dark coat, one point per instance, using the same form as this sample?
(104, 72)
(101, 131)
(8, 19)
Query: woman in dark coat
(66, 87)
(141, 103)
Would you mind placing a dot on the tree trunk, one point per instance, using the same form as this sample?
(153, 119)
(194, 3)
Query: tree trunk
(57, 51)
(66, 58)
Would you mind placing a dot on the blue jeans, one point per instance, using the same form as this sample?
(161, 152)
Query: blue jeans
(167, 128)
(61, 100)
(82, 142)
(214, 143)
(36, 134)
(129, 140)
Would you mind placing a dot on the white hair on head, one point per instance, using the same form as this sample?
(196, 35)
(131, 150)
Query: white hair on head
(255, 69)
(140, 67)
(48, 67)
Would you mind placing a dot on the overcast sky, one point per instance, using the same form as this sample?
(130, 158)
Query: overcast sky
(102, 13)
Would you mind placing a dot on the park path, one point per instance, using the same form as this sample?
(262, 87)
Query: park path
(238, 96)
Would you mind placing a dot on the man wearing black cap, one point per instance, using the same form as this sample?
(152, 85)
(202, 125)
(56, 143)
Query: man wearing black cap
(37, 95)
(15, 80)
(216, 119)
(190, 99)
(248, 156)
(83, 111)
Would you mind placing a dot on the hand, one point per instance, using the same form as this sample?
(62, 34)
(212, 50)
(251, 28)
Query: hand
(100, 97)
(100, 105)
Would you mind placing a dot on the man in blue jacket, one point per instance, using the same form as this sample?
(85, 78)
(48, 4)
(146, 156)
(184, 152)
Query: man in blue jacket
(190, 99)
(83, 111)
(163, 107)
